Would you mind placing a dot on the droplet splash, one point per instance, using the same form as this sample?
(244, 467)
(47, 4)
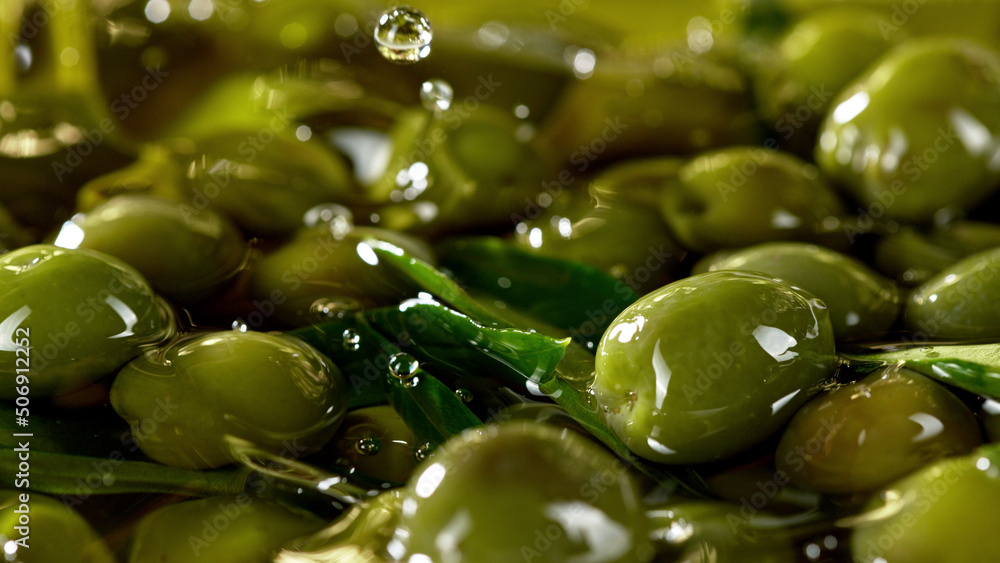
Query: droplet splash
(436, 95)
(404, 367)
(403, 35)
(368, 446)
(337, 217)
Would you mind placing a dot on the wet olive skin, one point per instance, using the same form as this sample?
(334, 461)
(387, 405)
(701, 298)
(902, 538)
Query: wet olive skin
(481, 498)
(944, 513)
(185, 254)
(864, 435)
(959, 302)
(233, 529)
(376, 442)
(182, 400)
(715, 532)
(54, 531)
(740, 196)
(84, 313)
(903, 137)
(860, 301)
(711, 365)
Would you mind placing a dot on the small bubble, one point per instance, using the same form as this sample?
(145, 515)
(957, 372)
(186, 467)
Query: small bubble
(368, 446)
(404, 367)
(403, 35)
(464, 395)
(352, 340)
(337, 217)
(436, 95)
(423, 451)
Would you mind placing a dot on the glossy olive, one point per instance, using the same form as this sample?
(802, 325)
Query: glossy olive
(912, 257)
(375, 442)
(715, 532)
(747, 195)
(709, 366)
(906, 138)
(274, 391)
(482, 498)
(959, 302)
(230, 529)
(186, 254)
(37, 529)
(859, 300)
(864, 435)
(320, 265)
(361, 534)
(942, 513)
(84, 314)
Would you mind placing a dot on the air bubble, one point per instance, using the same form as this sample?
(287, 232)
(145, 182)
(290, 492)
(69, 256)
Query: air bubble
(368, 446)
(436, 95)
(403, 35)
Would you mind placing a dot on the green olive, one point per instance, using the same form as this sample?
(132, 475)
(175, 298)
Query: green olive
(913, 257)
(361, 535)
(186, 255)
(907, 138)
(483, 497)
(274, 391)
(320, 265)
(944, 512)
(375, 442)
(711, 365)
(747, 195)
(84, 314)
(715, 532)
(233, 529)
(859, 300)
(820, 55)
(959, 302)
(864, 435)
(38, 529)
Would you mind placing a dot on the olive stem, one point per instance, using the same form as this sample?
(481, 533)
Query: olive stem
(62, 474)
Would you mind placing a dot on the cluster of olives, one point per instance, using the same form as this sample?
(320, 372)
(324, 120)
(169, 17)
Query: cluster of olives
(789, 182)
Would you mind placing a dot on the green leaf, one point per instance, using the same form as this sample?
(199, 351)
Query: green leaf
(571, 296)
(96, 431)
(973, 367)
(445, 337)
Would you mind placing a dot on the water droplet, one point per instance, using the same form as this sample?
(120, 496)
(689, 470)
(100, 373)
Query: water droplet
(327, 309)
(337, 217)
(423, 451)
(352, 340)
(436, 95)
(403, 35)
(464, 395)
(403, 365)
(368, 446)
(240, 326)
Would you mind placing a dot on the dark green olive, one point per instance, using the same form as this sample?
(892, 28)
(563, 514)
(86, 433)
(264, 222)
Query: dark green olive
(959, 302)
(37, 529)
(185, 399)
(944, 512)
(186, 255)
(864, 435)
(83, 313)
(910, 138)
(233, 529)
(912, 257)
(859, 300)
(711, 365)
(324, 264)
(482, 498)
(375, 442)
(747, 195)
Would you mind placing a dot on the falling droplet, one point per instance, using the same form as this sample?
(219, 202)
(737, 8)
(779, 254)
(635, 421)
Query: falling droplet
(326, 309)
(403, 35)
(464, 395)
(352, 340)
(368, 445)
(423, 451)
(436, 95)
(337, 217)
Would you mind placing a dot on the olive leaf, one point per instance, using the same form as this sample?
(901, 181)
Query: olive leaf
(972, 367)
(571, 296)
(96, 431)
